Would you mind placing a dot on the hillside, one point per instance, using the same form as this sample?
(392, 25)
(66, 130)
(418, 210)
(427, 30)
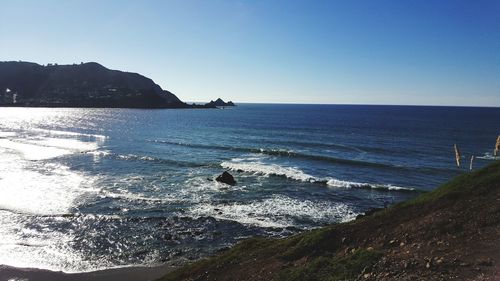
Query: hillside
(450, 233)
(82, 85)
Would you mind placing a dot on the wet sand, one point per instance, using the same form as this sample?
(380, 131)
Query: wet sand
(118, 274)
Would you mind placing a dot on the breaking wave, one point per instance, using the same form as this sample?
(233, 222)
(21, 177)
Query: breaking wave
(294, 173)
(278, 211)
(290, 154)
(133, 157)
(487, 156)
(268, 170)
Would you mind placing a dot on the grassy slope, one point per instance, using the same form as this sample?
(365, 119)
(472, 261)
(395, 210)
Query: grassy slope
(451, 232)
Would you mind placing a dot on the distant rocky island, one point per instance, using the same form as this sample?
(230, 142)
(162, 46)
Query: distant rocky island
(81, 85)
(219, 103)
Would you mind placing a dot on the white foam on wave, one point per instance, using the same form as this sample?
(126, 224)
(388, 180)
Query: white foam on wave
(198, 189)
(133, 197)
(124, 188)
(350, 184)
(276, 150)
(133, 156)
(488, 156)
(345, 184)
(278, 211)
(392, 187)
(99, 153)
(261, 168)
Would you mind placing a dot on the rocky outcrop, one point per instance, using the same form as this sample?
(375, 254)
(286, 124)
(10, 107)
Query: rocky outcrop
(79, 85)
(226, 178)
(219, 103)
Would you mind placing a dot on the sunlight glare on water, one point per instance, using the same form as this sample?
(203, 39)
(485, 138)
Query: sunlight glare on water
(37, 189)
(84, 189)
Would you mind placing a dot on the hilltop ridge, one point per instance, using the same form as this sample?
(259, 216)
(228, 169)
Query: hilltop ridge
(80, 85)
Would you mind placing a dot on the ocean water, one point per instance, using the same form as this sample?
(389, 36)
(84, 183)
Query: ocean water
(87, 189)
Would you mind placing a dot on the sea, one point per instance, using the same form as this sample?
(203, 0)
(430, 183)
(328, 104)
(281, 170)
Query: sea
(89, 189)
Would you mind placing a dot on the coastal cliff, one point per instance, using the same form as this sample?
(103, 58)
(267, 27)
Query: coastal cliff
(449, 233)
(80, 85)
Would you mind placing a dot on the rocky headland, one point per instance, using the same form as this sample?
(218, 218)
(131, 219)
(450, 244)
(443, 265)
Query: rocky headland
(81, 85)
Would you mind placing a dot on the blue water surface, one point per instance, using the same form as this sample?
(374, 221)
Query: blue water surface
(138, 185)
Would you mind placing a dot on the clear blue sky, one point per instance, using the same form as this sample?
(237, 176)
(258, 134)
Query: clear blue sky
(435, 52)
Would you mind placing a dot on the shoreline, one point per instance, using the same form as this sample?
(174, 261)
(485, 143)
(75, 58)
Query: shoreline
(448, 233)
(132, 273)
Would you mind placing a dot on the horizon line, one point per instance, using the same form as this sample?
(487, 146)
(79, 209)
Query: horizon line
(247, 102)
(362, 104)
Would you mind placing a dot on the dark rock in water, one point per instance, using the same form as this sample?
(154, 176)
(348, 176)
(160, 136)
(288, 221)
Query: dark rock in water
(226, 178)
(219, 103)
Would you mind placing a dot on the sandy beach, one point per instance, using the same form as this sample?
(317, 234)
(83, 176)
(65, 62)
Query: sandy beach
(118, 274)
